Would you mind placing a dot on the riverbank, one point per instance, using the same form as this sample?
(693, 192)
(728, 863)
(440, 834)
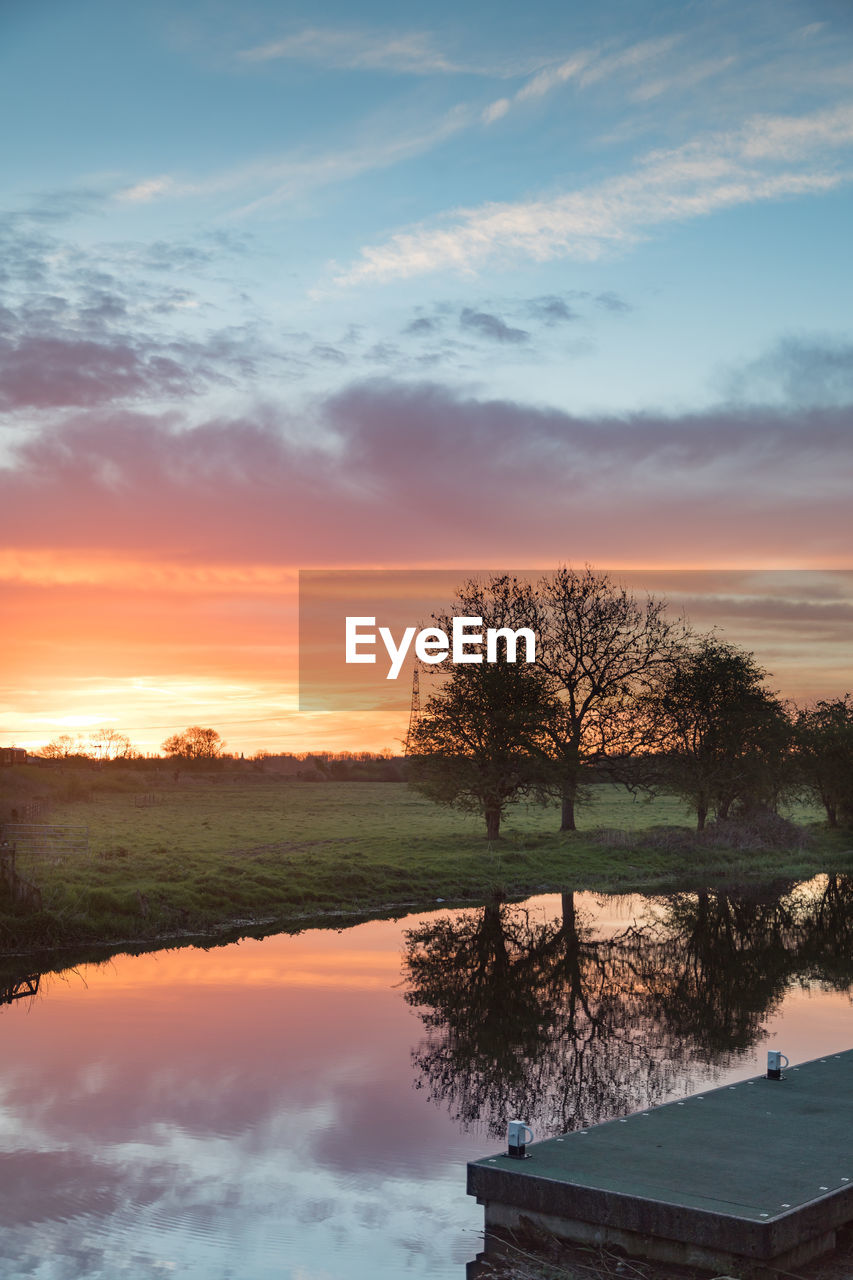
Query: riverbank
(202, 854)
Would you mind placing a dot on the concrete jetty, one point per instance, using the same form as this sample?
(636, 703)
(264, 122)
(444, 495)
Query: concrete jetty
(760, 1171)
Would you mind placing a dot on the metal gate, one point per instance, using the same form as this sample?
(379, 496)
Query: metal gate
(46, 840)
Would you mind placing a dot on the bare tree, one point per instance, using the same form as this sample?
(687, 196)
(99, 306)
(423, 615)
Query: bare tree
(601, 649)
(63, 747)
(109, 744)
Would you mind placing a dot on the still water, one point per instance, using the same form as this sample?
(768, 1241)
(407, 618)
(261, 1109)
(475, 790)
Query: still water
(302, 1107)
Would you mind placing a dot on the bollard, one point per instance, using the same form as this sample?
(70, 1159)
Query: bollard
(775, 1063)
(518, 1135)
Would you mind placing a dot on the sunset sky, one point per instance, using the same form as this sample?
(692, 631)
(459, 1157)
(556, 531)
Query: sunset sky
(305, 286)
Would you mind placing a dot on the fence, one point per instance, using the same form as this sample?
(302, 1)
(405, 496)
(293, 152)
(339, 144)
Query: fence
(43, 840)
(144, 800)
(31, 810)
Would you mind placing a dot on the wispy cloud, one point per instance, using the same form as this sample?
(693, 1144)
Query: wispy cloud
(351, 49)
(550, 77)
(150, 189)
(679, 81)
(635, 58)
(280, 179)
(770, 157)
(808, 370)
(586, 67)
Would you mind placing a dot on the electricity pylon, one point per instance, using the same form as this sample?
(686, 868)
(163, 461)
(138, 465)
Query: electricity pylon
(415, 711)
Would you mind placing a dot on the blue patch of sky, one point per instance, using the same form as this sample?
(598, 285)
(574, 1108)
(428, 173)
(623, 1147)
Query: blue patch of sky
(371, 123)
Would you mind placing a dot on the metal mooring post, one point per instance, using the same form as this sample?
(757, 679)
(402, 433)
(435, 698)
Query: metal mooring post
(775, 1063)
(518, 1135)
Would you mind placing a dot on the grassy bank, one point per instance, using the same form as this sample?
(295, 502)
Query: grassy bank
(198, 853)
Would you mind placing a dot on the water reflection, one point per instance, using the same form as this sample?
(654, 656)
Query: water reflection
(556, 1020)
(20, 988)
(243, 1112)
(248, 1111)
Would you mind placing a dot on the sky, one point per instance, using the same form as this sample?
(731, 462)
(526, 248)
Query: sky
(343, 286)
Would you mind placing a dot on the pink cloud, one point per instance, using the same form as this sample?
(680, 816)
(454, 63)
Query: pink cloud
(401, 474)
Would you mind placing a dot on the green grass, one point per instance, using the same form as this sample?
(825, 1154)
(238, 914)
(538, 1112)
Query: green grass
(236, 846)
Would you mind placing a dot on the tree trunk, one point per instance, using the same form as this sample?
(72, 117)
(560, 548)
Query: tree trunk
(567, 820)
(701, 815)
(831, 812)
(493, 822)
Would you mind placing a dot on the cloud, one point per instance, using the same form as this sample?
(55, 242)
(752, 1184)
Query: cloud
(682, 80)
(551, 310)
(32, 257)
(502, 319)
(409, 53)
(550, 77)
(384, 353)
(813, 371)
(490, 326)
(329, 354)
(179, 255)
(286, 178)
(423, 324)
(769, 158)
(585, 68)
(358, 478)
(496, 110)
(150, 189)
(82, 328)
(42, 372)
(612, 302)
(634, 58)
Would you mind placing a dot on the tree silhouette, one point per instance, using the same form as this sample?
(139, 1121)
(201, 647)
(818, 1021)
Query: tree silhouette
(194, 743)
(479, 744)
(723, 963)
(565, 1026)
(600, 649)
(726, 738)
(535, 1018)
(823, 736)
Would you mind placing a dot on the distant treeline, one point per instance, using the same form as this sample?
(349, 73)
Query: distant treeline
(341, 766)
(307, 766)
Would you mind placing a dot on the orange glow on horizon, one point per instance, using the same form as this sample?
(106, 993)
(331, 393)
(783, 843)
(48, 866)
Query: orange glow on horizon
(148, 646)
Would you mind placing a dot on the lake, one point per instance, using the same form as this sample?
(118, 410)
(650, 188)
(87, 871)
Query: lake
(303, 1106)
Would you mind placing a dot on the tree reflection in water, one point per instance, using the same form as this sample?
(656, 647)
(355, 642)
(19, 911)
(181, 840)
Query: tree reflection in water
(565, 1026)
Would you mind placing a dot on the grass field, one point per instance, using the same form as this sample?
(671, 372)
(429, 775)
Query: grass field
(237, 846)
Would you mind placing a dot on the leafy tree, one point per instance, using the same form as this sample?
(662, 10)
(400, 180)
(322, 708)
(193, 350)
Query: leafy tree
(823, 736)
(479, 744)
(725, 737)
(194, 743)
(601, 650)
